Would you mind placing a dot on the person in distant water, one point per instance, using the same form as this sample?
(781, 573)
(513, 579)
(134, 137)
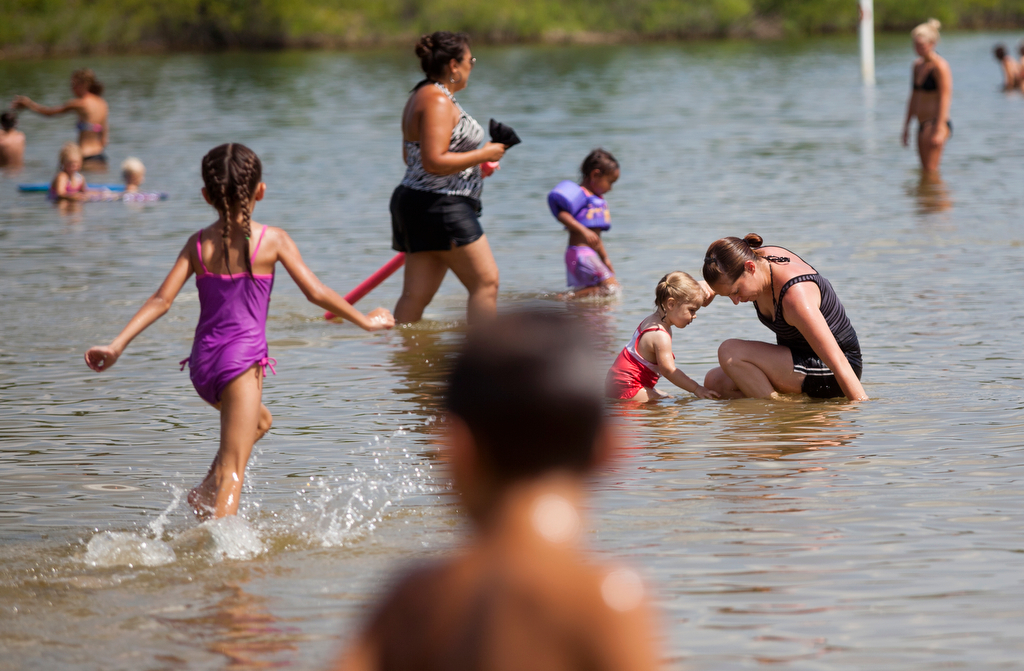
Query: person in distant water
(526, 426)
(68, 183)
(930, 96)
(581, 208)
(12, 141)
(1010, 67)
(649, 353)
(1020, 65)
(229, 353)
(817, 353)
(91, 108)
(133, 173)
(435, 210)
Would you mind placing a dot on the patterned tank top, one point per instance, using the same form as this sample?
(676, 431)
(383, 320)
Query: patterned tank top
(466, 136)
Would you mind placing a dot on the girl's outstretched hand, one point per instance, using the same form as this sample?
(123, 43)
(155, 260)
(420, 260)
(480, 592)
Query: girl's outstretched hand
(380, 318)
(101, 358)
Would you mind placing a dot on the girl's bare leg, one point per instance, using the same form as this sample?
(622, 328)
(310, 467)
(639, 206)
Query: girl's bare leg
(755, 369)
(475, 267)
(605, 288)
(243, 420)
(424, 272)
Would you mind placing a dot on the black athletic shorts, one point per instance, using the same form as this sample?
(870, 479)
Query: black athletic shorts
(422, 221)
(819, 381)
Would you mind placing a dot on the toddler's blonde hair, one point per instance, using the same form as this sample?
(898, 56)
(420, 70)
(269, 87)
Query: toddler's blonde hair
(69, 151)
(132, 167)
(927, 31)
(680, 286)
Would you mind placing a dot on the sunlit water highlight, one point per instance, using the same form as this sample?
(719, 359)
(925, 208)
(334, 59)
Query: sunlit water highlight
(807, 535)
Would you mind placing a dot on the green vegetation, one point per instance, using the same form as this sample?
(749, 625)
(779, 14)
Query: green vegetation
(72, 26)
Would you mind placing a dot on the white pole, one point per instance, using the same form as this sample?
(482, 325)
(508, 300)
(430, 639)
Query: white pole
(867, 42)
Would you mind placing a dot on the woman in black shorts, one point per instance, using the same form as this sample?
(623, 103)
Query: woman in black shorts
(434, 211)
(817, 352)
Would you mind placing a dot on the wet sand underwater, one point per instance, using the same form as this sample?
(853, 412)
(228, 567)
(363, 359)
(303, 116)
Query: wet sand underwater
(801, 534)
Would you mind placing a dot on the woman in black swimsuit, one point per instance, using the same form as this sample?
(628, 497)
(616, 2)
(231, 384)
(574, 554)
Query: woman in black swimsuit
(817, 352)
(929, 99)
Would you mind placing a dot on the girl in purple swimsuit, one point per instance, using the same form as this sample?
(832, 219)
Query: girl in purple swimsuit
(229, 354)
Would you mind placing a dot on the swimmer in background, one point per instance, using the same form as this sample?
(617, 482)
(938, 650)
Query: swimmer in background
(1010, 67)
(92, 111)
(649, 353)
(229, 353)
(68, 183)
(12, 141)
(526, 428)
(930, 97)
(133, 173)
(583, 211)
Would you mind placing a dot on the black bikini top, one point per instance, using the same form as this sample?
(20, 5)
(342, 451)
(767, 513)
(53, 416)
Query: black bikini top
(929, 83)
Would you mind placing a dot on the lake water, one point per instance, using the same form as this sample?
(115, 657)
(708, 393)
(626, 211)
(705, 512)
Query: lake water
(798, 534)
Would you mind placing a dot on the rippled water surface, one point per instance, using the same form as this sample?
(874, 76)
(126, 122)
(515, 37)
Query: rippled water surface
(797, 534)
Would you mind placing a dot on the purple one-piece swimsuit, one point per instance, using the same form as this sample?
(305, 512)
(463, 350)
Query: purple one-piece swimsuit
(232, 332)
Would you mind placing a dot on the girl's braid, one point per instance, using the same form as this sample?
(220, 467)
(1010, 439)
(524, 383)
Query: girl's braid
(243, 194)
(222, 183)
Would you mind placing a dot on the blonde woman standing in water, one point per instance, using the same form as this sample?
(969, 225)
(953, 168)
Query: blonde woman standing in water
(930, 97)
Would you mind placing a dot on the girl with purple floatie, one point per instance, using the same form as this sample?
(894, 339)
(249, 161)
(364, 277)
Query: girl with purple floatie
(583, 211)
(229, 354)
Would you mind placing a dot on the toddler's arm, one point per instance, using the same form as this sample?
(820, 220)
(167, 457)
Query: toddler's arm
(103, 357)
(662, 344)
(318, 293)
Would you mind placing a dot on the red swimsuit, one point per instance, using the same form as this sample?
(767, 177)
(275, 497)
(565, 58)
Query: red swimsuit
(631, 372)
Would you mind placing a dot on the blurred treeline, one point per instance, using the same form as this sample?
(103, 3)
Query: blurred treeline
(68, 26)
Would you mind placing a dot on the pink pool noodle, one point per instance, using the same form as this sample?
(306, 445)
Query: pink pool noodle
(371, 282)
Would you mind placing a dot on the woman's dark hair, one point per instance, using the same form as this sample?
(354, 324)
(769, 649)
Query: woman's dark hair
(725, 258)
(87, 78)
(231, 173)
(999, 51)
(8, 120)
(530, 389)
(599, 159)
(438, 49)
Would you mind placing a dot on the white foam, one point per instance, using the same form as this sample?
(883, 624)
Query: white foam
(233, 538)
(118, 548)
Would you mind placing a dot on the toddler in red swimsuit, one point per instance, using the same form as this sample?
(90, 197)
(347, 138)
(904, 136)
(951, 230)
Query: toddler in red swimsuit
(649, 355)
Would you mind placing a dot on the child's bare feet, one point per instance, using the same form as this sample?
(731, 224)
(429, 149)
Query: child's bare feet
(203, 499)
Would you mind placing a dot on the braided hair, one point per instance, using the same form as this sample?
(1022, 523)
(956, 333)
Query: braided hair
(231, 173)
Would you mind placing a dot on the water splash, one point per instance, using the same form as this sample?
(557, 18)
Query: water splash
(118, 548)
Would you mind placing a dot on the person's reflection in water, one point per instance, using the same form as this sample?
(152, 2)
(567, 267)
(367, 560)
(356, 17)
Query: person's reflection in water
(758, 430)
(422, 360)
(241, 628)
(931, 194)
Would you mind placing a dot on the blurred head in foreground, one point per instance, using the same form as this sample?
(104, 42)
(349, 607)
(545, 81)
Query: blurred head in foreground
(526, 425)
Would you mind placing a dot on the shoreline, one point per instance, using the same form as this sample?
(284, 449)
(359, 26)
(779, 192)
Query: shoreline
(755, 29)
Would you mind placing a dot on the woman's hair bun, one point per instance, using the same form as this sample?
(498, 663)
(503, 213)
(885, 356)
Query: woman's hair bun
(753, 240)
(425, 46)
(935, 23)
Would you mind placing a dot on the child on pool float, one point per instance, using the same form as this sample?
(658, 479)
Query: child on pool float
(68, 183)
(526, 428)
(229, 353)
(649, 355)
(583, 211)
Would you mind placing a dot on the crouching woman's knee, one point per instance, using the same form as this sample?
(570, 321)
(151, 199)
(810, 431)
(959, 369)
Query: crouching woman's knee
(729, 352)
